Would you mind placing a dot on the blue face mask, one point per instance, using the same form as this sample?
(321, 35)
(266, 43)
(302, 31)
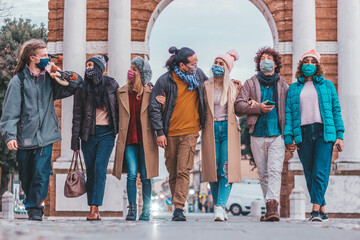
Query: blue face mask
(308, 70)
(266, 65)
(43, 63)
(217, 71)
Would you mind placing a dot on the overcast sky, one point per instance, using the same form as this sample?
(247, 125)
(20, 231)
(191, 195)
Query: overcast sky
(210, 27)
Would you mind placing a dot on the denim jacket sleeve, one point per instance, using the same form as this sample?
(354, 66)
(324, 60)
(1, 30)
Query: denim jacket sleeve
(11, 110)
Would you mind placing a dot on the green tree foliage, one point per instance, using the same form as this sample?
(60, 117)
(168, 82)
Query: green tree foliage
(245, 142)
(13, 34)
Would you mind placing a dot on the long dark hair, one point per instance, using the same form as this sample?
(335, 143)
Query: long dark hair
(178, 56)
(96, 90)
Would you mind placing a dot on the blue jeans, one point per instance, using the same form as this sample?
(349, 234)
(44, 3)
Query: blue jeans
(97, 151)
(315, 155)
(221, 189)
(135, 161)
(34, 172)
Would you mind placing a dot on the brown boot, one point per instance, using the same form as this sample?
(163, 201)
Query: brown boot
(94, 214)
(272, 214)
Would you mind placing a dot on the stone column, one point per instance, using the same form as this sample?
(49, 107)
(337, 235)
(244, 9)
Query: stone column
(348, 83)
(304, 29)
(304, 39)
(74, 52)
(119, 39)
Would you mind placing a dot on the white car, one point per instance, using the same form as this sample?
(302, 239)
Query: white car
(241, 197)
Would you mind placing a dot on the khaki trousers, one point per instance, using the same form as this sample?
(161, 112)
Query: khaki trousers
(179, 154)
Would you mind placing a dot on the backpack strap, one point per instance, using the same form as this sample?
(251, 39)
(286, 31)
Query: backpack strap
(21, 76)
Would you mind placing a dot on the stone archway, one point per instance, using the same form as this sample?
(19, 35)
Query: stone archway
(259, 4)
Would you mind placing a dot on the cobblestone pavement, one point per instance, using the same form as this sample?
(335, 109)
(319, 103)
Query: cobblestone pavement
(198, 226)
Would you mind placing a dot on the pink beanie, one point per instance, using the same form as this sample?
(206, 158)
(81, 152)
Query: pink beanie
(311, 53)
(229, 58)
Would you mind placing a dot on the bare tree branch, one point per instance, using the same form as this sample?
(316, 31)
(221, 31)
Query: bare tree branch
(5, 8)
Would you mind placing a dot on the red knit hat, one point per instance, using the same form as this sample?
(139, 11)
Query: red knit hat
(311, 53)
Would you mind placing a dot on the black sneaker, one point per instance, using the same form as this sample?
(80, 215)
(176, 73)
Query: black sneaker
(315, 216)
(324, 216)
(35, 214)
(178, 215)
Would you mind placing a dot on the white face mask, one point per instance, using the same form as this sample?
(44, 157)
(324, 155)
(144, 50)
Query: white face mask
(191, 70)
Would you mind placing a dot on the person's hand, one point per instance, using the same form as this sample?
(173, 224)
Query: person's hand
(253, 103)
(341, 144)
(161, 141)
(12, 145)
(238, 83)
(161, 99)
(55, 74)
(292, 147)
(266, 108)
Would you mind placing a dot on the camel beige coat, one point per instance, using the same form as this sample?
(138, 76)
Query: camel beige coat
(208, 140)
(148, 134)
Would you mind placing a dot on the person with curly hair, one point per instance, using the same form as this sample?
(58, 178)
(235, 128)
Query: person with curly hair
(266, 120)
(313, 125)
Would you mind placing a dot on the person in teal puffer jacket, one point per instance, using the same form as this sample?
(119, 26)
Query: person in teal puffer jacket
(313, 125)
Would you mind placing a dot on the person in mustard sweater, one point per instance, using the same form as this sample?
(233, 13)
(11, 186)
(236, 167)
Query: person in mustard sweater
(177, 125)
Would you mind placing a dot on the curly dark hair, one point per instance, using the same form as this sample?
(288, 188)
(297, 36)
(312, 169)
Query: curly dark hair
(268, 50)
(299, 73)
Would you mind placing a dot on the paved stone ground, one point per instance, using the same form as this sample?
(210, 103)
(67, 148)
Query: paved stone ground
(198, 226)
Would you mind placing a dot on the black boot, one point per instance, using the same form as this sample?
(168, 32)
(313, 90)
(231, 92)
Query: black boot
(145, 214)
(35, 214)
(178, 215)
(131, 216)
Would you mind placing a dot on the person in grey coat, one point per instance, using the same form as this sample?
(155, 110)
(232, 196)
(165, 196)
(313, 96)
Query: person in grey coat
(29, 123)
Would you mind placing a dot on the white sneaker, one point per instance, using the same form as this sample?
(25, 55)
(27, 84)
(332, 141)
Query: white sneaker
(225, 215)
(219, 214)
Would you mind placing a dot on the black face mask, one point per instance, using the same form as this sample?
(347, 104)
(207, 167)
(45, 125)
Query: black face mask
(90, 73)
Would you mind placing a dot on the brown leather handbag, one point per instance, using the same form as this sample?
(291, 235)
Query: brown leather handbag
(75, 184)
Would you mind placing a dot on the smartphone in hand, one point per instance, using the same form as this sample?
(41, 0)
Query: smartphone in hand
(270, 103)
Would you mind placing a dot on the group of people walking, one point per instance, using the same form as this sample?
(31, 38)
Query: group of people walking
(184, 102)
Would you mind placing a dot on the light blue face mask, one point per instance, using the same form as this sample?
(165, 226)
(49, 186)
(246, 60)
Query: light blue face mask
(217, 71)
(266, 65)
(308, 70)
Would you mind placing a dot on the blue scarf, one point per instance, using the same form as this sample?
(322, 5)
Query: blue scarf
(188, 78)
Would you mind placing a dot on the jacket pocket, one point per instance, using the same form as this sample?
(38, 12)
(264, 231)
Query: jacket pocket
(56, 121)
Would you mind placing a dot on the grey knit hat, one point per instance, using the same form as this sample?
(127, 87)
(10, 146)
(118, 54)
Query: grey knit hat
(144, 68)
(100, 60)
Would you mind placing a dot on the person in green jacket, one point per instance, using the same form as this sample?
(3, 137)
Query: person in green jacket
(29, 123)
(313, 125)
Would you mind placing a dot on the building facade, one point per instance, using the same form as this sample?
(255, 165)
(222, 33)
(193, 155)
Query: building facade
(122, 29)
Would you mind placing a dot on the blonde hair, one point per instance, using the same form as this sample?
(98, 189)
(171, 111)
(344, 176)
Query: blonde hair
(137, 85)
(28, 49)
(228, 85)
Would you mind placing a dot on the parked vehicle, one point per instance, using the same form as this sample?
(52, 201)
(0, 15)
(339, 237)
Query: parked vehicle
(242, 195)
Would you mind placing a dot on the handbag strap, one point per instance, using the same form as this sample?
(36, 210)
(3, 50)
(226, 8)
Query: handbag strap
(80, 160)
(72, 161)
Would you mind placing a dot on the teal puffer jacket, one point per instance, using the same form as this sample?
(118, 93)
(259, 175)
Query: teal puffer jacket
(329, 108)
